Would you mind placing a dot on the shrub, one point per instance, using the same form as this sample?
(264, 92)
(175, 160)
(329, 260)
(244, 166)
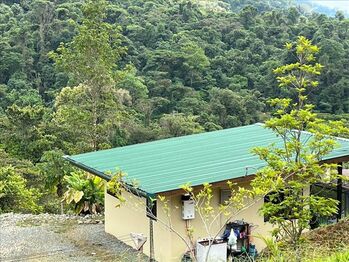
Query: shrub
(14, 194)
(86, 192)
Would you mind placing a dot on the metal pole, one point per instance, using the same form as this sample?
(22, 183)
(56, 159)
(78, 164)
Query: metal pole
(339, 190)
(151, 236)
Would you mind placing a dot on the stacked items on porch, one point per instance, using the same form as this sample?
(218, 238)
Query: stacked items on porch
(237, 235)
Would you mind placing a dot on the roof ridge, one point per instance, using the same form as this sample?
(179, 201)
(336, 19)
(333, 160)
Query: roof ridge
(310, 133)
(176, 138)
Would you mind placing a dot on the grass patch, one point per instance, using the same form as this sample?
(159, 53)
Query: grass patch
(336, 257)
(63, 227)
(329, 243)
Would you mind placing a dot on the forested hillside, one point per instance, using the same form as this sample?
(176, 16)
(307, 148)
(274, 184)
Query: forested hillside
(180, 67)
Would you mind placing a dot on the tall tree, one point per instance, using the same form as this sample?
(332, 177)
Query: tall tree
(90, 60)
(295, 164)
(195, 62)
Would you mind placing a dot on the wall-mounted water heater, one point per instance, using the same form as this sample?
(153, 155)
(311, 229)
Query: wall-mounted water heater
(188, 208)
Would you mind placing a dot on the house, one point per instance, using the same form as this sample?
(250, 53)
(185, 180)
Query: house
(160, 167)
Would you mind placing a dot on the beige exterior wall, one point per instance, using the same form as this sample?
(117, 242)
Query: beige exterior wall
(131, 217)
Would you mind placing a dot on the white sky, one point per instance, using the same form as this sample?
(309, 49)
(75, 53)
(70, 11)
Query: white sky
(337, 4)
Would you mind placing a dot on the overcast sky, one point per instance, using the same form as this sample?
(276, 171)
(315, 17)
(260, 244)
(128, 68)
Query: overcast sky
(337, 4)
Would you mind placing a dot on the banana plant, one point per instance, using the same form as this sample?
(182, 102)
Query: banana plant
(85, 192)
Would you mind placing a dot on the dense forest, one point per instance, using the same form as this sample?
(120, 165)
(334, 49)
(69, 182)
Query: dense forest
(160, 69)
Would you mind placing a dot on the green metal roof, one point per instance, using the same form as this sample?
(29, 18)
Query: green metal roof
(166, 164)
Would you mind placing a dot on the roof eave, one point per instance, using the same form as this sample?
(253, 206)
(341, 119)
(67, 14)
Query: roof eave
(132, 189)
(222, 183)
(336, 159)
(87, 168)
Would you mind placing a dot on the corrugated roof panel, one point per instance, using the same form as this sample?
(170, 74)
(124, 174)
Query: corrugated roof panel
(166, 164)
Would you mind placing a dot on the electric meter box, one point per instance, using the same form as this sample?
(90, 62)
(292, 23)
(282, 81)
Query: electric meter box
(188, 209)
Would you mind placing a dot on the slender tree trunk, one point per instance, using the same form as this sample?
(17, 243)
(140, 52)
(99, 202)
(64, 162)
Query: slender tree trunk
(62, 208)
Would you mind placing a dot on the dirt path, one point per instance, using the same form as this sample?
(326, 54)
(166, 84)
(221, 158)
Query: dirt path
(59, 238)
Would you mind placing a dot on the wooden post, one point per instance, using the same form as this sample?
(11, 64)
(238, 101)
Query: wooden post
(339, 190)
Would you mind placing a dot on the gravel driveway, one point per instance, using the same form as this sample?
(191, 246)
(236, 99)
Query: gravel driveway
(56, 238)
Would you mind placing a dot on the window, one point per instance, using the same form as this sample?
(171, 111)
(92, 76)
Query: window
(330, 191)
(151, 208)
(274, 198)
(225, 195)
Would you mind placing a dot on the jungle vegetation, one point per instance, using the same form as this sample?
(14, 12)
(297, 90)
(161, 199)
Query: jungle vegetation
(76, 77)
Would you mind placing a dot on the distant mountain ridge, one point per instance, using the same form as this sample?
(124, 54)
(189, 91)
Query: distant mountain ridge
(307, 6)
(316, 6)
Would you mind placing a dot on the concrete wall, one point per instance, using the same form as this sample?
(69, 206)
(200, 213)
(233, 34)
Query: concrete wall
(131, 217)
